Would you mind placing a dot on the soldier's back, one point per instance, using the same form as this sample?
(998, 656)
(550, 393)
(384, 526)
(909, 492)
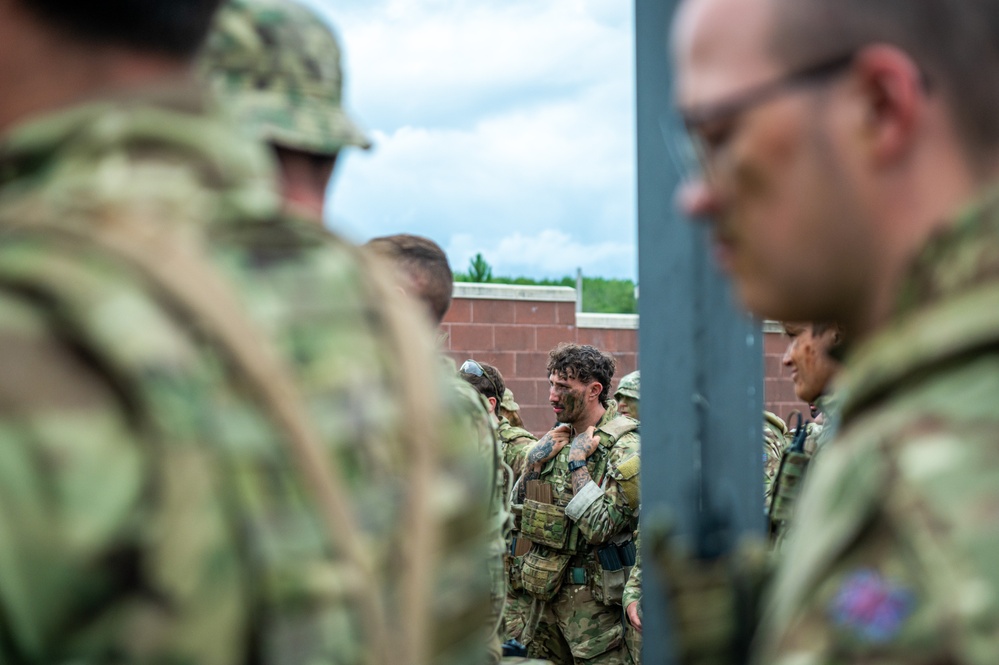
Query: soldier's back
(153, 505)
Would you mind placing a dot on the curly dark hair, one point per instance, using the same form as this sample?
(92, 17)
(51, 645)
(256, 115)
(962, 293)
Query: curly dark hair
(490, 384)
(583, 363)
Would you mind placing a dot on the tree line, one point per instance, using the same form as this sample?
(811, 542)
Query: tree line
(600, 295)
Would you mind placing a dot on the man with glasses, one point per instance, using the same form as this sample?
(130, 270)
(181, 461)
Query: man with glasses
(850, 151)
(580, 501)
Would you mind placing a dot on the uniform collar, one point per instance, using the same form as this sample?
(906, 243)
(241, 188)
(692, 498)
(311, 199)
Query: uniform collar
(948, 307)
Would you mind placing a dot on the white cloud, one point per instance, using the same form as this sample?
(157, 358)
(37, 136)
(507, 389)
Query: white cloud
(504, 123)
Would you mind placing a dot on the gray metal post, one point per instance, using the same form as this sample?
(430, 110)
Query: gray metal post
(701, 359)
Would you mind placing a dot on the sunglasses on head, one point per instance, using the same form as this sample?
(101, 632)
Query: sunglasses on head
(475, 369)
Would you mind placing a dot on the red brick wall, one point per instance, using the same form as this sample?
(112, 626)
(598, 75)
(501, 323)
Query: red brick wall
(516, 336)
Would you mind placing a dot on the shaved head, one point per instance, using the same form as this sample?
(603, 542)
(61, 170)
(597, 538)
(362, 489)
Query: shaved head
(954, 44)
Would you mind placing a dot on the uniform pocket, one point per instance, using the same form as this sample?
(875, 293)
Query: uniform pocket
(545, 524)
(543, 572)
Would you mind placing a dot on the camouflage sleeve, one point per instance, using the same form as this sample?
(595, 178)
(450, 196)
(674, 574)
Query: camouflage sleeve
(515, 454)
(893, 558)
(78, 553)
(633, 588)
(774, 443)
(602, 511)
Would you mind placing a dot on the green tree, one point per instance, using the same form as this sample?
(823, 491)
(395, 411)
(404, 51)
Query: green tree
(479, 270)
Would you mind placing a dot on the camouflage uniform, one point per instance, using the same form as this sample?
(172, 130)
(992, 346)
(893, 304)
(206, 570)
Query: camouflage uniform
(515, 442)
(633, 594)
(487, 442)
(630, 386)
(277, 68)
(794, 465)
(893, 559)
(150, 507)
(582, 600)
(774, 442)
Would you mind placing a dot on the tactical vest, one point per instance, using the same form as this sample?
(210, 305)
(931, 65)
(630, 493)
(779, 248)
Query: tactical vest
(557, 538)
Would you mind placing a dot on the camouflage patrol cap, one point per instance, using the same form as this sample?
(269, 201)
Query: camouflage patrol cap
(508, 402)
(276, 64)
(628, 386)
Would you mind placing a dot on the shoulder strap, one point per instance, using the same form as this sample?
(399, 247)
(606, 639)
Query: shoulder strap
(617, 427)
(176, 268)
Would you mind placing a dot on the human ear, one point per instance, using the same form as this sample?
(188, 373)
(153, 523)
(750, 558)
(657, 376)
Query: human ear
(891, 86)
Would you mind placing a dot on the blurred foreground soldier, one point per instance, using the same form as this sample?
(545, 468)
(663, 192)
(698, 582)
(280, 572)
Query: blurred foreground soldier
(423, 267)
(276, 65)
(850, 153)
(580, 511)
(425, 275)
(626, 395)
(510, 410)
(220, 434)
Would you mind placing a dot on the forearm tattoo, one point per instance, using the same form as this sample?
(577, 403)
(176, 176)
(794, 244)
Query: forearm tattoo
(580, 444)
(542, 451)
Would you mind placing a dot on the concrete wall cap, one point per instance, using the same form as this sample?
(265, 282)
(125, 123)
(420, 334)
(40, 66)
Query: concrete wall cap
(514, 292)
(612, 321)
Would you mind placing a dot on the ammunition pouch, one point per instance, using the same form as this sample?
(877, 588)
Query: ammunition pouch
(610, 574)
(543, 572)
(545, 524)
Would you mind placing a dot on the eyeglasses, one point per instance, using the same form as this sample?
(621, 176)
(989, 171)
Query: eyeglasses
(701, 122)
(475, 369)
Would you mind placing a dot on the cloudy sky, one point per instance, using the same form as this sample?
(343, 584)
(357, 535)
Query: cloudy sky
(504, 127)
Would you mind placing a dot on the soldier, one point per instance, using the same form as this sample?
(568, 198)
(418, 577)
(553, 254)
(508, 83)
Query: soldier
(626, 395)
(810, 356)
(628, 398)
(510, 410)
(276, 65)
(631, 599)
(580, 509)
(850, 152)
(425, 275)
(221, 436)
(515, 442)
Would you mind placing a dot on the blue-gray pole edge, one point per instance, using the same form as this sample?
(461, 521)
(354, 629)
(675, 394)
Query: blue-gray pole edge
(701, 358)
